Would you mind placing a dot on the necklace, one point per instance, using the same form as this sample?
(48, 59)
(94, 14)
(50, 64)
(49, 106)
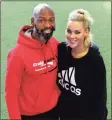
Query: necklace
(79, 55)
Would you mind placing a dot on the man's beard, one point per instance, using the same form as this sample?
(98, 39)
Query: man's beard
(45, 36)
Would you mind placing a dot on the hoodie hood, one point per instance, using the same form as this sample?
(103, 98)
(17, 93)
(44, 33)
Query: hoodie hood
(26, 39)
(94, 50)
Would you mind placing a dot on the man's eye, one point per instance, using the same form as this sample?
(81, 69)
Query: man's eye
(52, 20)
(41, 21)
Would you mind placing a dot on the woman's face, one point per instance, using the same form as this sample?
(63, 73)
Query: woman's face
(75, 33)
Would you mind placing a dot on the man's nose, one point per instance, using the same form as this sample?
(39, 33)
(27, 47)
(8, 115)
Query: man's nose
(47, 24)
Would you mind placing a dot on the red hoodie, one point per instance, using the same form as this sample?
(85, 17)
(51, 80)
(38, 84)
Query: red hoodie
(30, 86)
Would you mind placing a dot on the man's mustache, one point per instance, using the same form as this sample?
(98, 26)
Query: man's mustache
(42, 30)
(51, 29)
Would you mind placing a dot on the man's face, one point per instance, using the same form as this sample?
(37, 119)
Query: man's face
(45, 24)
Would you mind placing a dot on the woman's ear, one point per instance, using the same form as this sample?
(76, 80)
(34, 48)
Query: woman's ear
(86, 32)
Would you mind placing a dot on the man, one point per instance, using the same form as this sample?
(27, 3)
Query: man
(30, 88)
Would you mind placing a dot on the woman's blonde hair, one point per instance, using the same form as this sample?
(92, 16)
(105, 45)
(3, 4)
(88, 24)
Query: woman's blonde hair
(82, 15)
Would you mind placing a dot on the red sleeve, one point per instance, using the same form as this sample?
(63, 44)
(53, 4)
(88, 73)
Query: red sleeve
(14, 72)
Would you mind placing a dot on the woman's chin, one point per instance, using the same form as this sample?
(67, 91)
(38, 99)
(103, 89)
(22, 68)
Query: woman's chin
(73, 45)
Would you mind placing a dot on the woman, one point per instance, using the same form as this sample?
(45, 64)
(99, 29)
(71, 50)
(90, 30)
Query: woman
(82, 73)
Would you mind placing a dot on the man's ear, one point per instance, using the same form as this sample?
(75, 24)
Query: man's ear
(32, 21)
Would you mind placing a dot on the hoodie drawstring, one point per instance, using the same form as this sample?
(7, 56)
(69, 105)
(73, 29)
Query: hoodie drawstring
(45, 56)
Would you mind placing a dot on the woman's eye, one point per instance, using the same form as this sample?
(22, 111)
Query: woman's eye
(69, 31)
(77, 32)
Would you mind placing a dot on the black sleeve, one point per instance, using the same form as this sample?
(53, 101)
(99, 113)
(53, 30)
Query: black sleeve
(99, 94)
(102, 80)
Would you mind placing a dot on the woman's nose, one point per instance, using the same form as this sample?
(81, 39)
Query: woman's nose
(72, 35)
